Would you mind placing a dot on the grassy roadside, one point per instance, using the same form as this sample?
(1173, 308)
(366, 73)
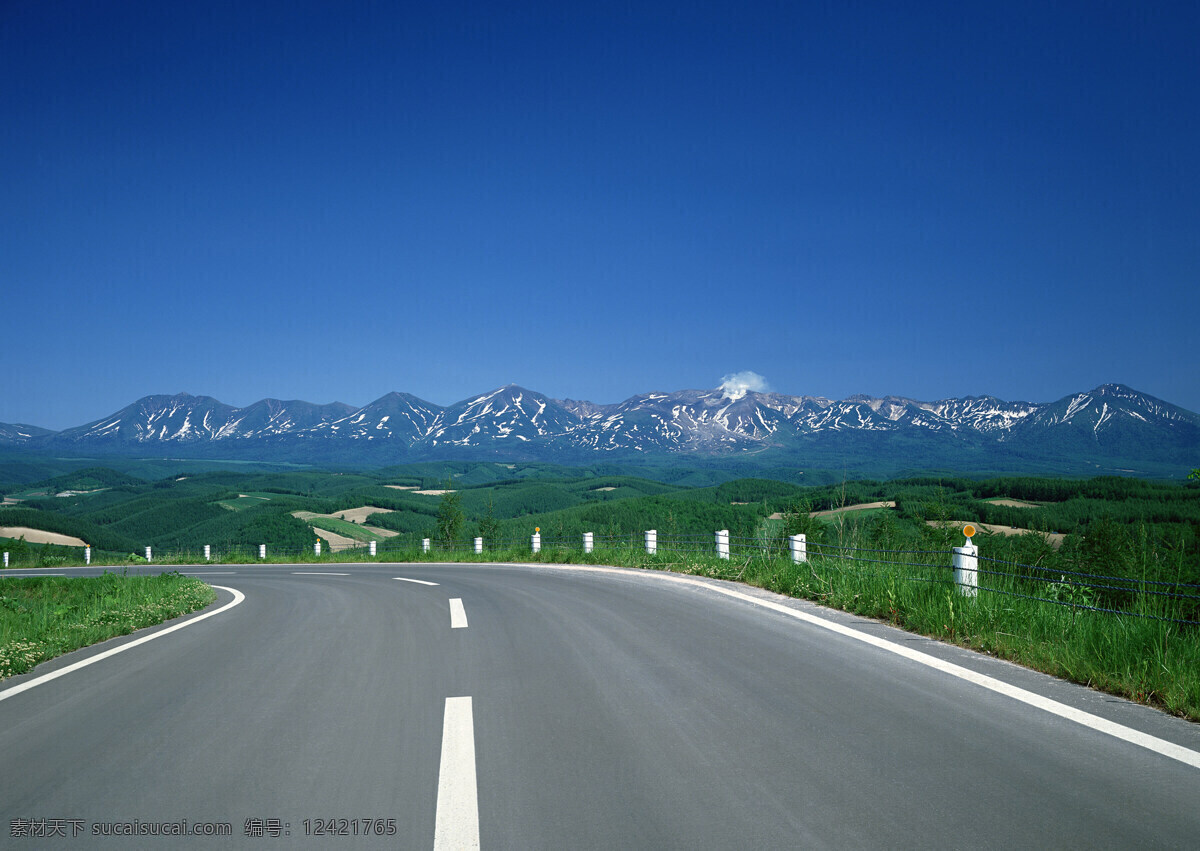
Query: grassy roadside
(44, 617)
(1151, 661)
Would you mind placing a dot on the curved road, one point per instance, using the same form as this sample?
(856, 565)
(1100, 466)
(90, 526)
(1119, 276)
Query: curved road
(571, 708)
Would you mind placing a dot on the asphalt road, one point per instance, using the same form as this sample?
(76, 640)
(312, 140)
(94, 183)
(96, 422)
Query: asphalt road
(570, 708)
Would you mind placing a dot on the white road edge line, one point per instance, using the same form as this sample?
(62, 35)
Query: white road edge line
(238, 596)
(1094, 722)
(458, 615)
(417, 581)
(315, 573)
(456, 824)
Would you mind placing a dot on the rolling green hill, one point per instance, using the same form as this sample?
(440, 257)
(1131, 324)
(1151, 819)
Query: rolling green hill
(1105, 524)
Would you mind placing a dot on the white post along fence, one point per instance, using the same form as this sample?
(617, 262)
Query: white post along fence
(965, 558)
(966, 570)
(966, 565)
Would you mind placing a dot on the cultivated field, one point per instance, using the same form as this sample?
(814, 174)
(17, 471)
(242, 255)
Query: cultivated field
(38, 536)
(337, 542)
(862, 506)
(359, 515)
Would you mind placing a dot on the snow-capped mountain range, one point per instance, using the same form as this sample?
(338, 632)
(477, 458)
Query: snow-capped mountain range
(1111, 421)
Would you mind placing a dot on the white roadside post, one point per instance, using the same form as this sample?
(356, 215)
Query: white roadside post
(535, 541)
(317, 549)
(799, 547)
(723, 543)
(262, 550)
(371, 548)
(87, 555)
(478, 546)
(208, 552)
(6, 559)
(587, 542)
(424, 545)
(147, 554)
(966, 565)
(651, 542)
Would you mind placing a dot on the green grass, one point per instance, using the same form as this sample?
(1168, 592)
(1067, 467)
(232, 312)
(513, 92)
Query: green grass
(245, 500)
(30, 494)
(341, 527)
(1150, 661)
(858, 514)
(41, 618)
(345, 528)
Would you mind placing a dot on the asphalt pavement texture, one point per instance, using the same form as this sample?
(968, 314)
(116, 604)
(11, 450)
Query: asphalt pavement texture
(607, 709)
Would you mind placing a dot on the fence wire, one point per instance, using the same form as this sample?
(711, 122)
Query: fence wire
(1071, 589)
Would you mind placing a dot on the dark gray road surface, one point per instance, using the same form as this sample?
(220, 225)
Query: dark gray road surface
(609, 710)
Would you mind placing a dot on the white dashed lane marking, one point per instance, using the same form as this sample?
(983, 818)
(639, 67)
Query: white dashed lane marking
(456, 824)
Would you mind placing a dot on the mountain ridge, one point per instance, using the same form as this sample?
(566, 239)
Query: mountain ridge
(1112, 423)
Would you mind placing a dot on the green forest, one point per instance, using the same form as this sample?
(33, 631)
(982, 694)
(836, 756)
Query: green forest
(1111, 526)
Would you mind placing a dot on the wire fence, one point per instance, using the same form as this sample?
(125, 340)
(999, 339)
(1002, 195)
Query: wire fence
(1139, 597)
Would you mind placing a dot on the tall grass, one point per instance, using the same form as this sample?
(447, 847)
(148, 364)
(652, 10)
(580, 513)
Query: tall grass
(44, 617)
(1140, 654)
(1135, 655)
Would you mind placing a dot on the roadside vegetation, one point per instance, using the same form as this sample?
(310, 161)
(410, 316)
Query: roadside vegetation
(1093, 580)
(44, 617)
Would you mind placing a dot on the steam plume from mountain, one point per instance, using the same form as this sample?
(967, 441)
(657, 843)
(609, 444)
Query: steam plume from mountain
(738, 384)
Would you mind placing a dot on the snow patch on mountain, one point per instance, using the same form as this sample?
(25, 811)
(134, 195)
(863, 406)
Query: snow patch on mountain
(731, 418)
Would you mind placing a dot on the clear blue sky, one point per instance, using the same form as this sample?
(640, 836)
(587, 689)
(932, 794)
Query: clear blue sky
(330, 201)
